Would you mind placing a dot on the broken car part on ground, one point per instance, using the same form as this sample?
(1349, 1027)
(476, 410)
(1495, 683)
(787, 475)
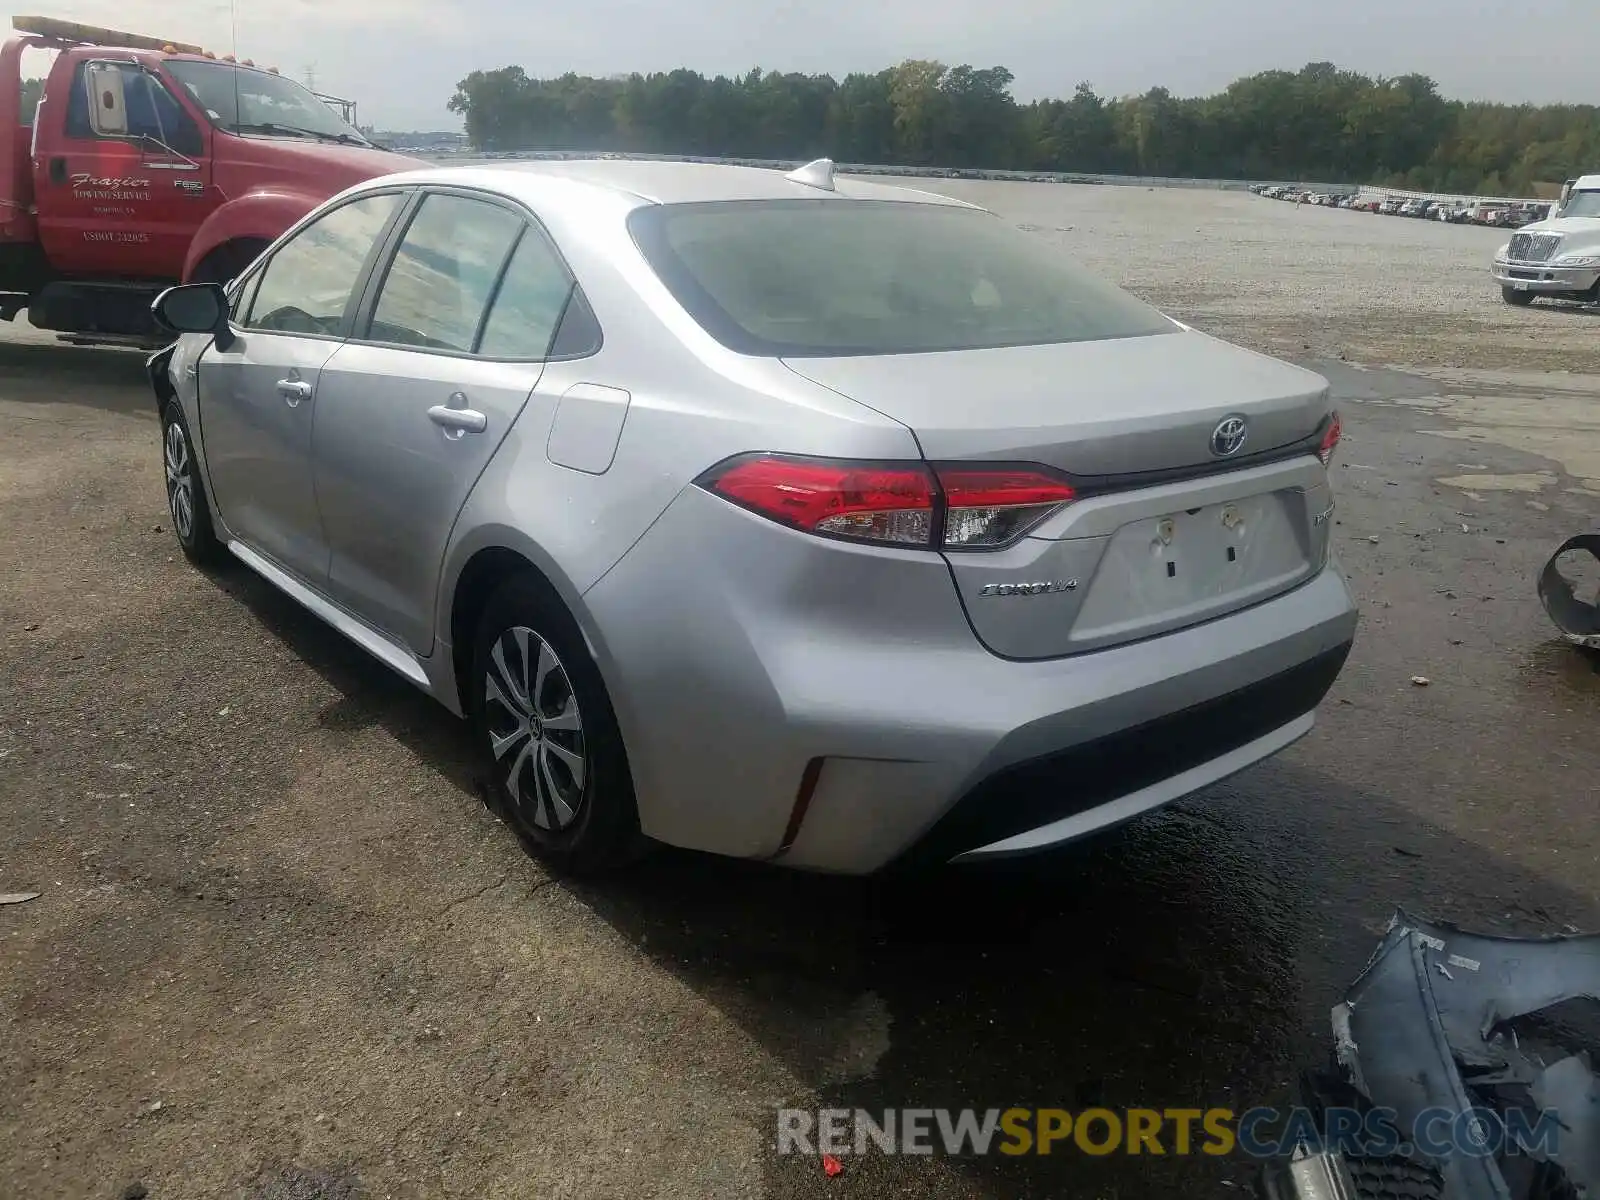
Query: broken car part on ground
(1477, 1038)
(1579, 621)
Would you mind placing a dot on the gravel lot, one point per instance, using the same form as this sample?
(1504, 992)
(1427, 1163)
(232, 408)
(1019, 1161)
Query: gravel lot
(284, 953)
(1307, 282)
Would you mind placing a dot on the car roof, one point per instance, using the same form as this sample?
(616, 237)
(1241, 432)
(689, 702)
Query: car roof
(649, 181)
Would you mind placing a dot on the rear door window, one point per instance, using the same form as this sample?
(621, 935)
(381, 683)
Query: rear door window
(437, 290)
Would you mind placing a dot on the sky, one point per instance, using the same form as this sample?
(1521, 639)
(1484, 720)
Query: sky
(400, 59)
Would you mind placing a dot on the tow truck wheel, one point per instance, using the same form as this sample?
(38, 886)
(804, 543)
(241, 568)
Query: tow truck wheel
(186, 494)
(228, 260)
(1512, 296)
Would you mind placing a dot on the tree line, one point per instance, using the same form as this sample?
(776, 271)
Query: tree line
(1319, 123)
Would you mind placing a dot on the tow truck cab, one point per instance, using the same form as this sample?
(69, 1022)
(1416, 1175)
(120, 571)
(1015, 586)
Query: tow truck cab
(149, 163)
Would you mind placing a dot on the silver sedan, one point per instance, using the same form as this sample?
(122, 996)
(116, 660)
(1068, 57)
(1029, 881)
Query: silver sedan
(789, 517)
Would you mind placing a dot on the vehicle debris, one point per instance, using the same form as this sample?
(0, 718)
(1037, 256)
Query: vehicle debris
(1428, 1037)
(17, 897)
(1578, 620)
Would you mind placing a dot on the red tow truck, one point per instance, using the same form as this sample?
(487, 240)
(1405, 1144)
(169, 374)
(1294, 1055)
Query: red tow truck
(148, 163)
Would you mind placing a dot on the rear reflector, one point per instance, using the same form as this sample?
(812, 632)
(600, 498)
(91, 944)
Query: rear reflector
(894, 504)
(1330, 440)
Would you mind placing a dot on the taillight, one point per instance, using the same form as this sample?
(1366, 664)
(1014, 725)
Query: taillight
(862, 501)
(1330, 440)
(897, 504)
(986, 508)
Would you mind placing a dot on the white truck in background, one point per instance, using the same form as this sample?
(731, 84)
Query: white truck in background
(1557, 258)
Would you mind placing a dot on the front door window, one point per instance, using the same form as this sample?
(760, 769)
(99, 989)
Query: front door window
(307, 284)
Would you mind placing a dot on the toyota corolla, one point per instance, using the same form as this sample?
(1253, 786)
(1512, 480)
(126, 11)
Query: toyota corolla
(789, 517)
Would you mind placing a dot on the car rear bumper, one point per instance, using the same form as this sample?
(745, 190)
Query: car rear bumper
(1097, 784)
(828, 706)
(1542, 278)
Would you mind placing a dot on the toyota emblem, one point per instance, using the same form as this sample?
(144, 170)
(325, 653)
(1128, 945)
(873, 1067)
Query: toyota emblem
(1228, 438)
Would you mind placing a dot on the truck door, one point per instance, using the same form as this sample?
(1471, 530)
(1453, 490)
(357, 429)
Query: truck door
(123, 186)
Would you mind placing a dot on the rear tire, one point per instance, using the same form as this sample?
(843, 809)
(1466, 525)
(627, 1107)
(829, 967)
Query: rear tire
(546, 734)
(187, 503)
(1514, 297)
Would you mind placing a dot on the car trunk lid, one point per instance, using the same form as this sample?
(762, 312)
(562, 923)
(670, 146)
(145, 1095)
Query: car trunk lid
(1169, 530)
(1124, 406)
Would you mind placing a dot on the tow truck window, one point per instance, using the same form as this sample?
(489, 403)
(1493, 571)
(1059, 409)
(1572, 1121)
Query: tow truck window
(153, 112)
(246, 100)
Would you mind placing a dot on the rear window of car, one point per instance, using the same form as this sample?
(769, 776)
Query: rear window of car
(834, 277)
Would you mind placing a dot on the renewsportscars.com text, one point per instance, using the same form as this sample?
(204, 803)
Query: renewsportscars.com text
(1256, 1132)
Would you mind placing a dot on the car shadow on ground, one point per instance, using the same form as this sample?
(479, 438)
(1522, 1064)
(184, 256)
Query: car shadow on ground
(368, 693)
(1188, 960)
(1574, 308)
(111, 379)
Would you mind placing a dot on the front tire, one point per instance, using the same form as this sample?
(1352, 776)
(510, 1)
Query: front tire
(1514, 297)
(547, 736)
(187, 504)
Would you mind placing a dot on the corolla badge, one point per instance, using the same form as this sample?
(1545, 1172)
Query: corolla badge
(1228, 438)
(1043, 587)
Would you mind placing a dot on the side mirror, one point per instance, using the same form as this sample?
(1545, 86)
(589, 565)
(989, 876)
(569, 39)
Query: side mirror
(195, 308)
(108, 107)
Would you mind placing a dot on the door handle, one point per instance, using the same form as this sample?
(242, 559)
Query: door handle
(456, 419)
(58, 170)
(294, 390)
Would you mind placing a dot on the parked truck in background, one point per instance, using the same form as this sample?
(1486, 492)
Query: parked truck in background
(149, 163)
(1558, 257)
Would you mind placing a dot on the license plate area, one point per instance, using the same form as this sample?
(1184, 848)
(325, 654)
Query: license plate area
(1193, 564)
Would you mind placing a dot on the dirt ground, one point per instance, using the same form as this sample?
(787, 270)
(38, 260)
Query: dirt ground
(283, 952)
(1303, 282)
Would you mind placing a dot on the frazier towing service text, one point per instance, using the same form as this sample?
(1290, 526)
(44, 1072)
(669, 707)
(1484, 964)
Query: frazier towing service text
(1255, 1132)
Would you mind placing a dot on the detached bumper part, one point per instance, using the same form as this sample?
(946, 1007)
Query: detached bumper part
(1579, 621)
(1428, 1033)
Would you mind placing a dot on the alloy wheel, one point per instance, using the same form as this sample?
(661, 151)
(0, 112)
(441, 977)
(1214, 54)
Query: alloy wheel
(535, 729)
(180, 481)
